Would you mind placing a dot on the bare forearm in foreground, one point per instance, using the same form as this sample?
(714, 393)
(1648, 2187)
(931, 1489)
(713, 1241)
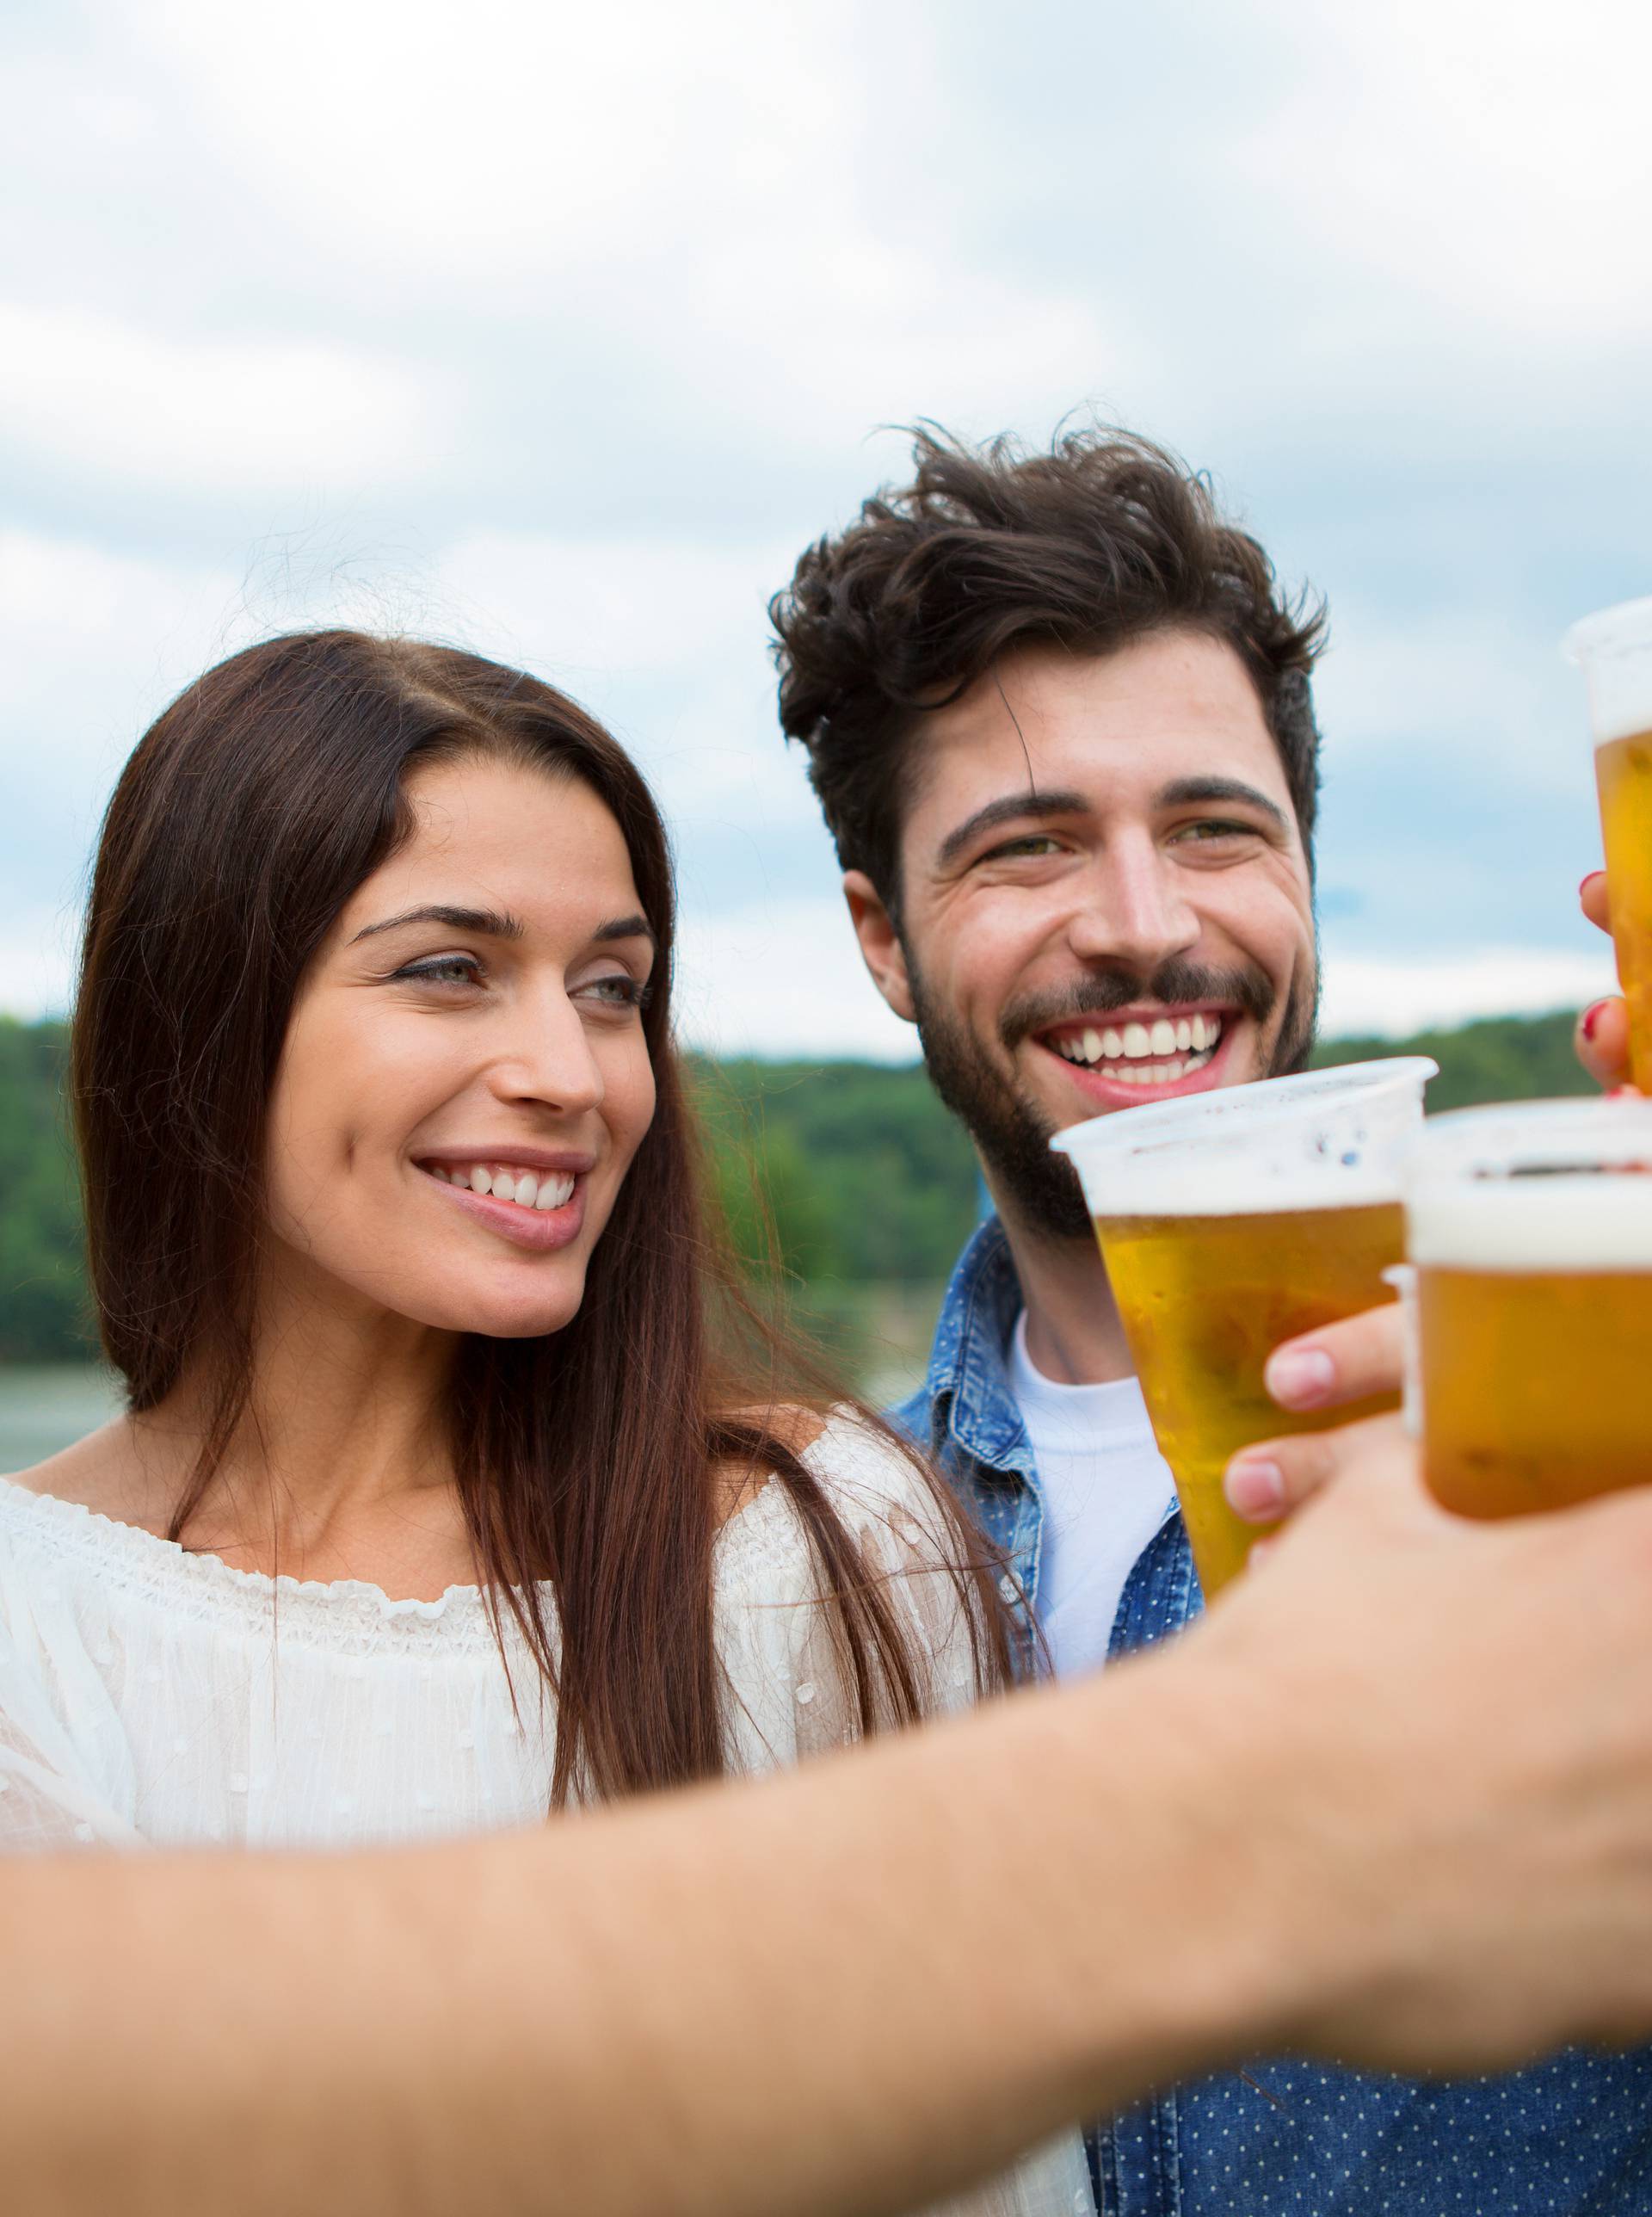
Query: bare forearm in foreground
(814, 1995)
(1391, 1803)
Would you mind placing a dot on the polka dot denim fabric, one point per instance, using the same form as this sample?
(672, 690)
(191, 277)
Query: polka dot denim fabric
(1571, 2137)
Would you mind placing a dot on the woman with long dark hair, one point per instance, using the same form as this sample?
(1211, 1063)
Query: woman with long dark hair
(443, 1497)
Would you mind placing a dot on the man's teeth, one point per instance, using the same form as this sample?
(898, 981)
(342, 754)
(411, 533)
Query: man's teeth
(1146, 1054)
(528, 1188)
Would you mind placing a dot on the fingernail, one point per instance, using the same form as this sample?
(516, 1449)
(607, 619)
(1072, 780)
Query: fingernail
(1590, 1018)
(1255, 1489)
(1588, 880)
(1298, 1377)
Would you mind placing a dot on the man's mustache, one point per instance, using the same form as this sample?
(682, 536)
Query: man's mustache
(1103, 993)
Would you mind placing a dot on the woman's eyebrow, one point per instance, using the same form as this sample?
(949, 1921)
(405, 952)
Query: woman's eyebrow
(625, 927)
(489, 924)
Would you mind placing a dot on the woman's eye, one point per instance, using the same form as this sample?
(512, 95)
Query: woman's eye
(619, 991)
(441, 970)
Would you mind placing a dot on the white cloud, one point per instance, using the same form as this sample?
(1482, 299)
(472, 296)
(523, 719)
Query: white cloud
(93, 395)
(783, 978)
(1497, 160)
(1364, 996)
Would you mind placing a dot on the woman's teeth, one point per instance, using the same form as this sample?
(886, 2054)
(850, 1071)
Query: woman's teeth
(1158, 1053)
(528, 1188)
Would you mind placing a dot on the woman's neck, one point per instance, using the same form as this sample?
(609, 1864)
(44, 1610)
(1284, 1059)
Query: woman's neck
(339, 1465)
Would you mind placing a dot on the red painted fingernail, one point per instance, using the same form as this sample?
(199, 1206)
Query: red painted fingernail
(1590, 1018)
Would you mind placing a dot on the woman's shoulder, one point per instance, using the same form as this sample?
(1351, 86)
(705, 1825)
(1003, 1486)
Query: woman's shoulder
(875, 1484)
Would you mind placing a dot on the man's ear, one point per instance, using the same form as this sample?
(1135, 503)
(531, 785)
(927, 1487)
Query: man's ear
(880, 943)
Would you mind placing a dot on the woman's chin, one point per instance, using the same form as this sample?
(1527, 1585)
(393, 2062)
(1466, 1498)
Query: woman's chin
(491, 1314)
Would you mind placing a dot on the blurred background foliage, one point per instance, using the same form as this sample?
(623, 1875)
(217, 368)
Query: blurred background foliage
(850, 1174)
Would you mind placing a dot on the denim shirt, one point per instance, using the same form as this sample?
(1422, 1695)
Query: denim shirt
(1571, 2137)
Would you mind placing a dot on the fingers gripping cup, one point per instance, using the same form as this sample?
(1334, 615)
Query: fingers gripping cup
(1530, 1229)
(1229, 1222)
(1614, 650)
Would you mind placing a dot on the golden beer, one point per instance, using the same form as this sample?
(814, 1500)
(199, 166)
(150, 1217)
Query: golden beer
(1622, 770)
(1534, 1386)
(1205, 1301)
(1229, 1221)
(1530, 1229)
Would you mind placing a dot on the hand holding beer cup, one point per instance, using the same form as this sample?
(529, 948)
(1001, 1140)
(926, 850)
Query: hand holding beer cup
(1232, 1220)
(1602, 1037)
(1614, 650)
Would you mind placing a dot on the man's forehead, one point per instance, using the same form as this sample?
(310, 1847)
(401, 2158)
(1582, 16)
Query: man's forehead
(1166, 708)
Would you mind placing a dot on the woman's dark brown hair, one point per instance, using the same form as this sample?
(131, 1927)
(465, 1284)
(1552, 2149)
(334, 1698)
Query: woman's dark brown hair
(591, 1460)
(1105, 538)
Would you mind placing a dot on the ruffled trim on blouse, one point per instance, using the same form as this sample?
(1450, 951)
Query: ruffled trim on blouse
(353, 1616)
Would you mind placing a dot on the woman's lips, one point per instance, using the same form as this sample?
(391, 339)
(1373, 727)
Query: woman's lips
(539, 1231)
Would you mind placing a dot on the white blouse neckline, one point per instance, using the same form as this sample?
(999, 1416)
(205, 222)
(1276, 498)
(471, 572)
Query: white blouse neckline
(145, 1565)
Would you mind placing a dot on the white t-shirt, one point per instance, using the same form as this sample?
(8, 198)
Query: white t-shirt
(1107, 1489)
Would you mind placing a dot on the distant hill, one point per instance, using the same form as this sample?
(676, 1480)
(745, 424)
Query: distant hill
(1494, 1058)
(861, 1174)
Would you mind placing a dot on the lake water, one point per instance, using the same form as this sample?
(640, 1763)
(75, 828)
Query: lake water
(44, 1410)
(881, 1335)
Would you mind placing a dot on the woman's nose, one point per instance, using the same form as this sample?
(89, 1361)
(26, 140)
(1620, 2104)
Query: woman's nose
(548, 1058)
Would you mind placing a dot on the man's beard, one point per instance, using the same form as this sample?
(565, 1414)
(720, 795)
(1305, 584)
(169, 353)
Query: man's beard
(1012, 1134)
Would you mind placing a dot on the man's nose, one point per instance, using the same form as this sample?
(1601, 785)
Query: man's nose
(544, 1056)
(1134, 910)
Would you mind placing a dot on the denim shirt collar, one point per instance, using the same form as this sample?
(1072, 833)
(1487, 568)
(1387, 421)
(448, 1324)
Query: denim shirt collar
(970, 1404)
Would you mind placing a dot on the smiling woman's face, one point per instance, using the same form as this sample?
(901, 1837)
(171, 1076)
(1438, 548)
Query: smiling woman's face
(465, 1079)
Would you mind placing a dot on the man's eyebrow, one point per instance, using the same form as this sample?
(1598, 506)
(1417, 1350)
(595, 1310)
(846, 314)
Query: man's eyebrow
(1028, 802)
(490, 924)
(1194, 790)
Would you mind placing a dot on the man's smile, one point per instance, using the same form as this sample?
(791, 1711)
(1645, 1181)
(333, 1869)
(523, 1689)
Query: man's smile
(1152, 1050)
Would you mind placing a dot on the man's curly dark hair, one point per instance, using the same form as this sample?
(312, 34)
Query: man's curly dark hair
(1102, 540)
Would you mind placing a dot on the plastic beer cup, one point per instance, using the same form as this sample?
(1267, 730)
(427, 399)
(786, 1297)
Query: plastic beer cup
(1229, 1222)
(1529, 1234)
(1614, 650)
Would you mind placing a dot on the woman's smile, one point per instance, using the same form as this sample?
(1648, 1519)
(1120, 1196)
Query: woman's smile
(532, 1205)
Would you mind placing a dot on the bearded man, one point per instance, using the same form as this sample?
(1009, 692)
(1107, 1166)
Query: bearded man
(1058, 716)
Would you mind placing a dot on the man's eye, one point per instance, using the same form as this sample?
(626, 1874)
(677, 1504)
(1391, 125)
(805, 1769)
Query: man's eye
(441, 970)
(1035, 844)
(1211, 828)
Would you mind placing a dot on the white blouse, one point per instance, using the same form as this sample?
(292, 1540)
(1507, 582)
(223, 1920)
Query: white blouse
(153, 1697)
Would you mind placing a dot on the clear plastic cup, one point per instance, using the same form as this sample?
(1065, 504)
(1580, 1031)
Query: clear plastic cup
(1613, 649)
(1529, 1234)
(1229, 1222)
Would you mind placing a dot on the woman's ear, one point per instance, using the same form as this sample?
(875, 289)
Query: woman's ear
(880, 943)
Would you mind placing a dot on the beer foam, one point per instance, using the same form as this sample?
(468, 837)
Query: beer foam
(1226, 1182)
(1567, 1222)
(1613, 649)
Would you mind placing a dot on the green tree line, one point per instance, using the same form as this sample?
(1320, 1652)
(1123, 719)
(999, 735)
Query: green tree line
(849, 1172)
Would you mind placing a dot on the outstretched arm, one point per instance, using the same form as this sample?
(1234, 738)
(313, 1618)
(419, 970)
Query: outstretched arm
(1345, 1816)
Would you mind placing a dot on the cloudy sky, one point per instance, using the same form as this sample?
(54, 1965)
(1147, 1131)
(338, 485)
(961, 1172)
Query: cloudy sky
(558, 331)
